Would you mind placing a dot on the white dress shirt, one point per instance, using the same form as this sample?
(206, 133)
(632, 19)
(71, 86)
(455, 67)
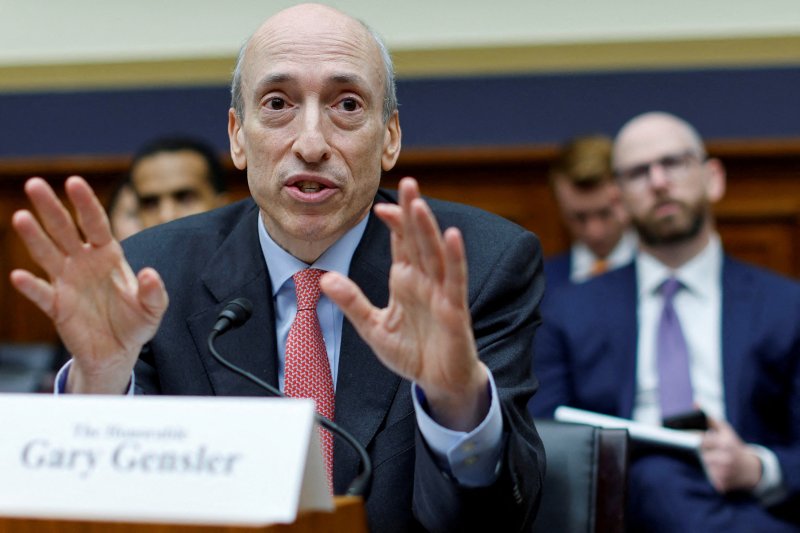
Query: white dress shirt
(698, 305)
(583, 259)
(699, 308)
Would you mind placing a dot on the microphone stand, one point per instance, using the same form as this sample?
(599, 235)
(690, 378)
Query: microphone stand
(361, 484)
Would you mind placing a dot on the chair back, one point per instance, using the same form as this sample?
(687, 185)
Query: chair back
(585, 486)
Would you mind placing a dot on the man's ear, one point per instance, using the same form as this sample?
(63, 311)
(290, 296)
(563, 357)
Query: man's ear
(715, 179)
(236, 137)
(391, 142)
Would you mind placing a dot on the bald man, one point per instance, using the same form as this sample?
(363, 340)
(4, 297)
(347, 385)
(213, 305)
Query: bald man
(430, 365)
(604, 347)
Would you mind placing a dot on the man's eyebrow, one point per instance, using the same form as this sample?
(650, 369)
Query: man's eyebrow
(271, 79)
(282, 77)
(353, 79)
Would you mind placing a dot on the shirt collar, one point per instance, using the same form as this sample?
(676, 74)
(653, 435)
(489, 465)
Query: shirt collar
(693, 275)
(583, 258)
(282, 265)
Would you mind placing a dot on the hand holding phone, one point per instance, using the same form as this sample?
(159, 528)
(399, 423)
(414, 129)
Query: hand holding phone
(692, 420)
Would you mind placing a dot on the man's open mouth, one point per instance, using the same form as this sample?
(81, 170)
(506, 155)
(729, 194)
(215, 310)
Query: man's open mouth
(309, 186)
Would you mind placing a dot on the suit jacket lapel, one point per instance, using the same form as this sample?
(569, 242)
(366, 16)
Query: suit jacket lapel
(738, 305)
(628, 338)
(365, 388)
(238, 270)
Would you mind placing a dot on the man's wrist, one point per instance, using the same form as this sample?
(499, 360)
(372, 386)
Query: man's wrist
(472, 458)
(112, 380)
(464, 410)
(754, 469)
(770, 489)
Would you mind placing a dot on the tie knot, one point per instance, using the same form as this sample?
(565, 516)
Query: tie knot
(600, 266)
(670, 286)
(306, 284)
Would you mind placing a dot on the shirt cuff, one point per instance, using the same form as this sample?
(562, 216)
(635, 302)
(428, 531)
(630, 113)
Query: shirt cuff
(473, 458)
(770, 489)
(63, 373)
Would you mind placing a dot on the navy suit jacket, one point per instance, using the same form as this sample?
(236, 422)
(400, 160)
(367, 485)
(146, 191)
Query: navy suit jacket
(557, 270)
(585, 355)
(209, 259)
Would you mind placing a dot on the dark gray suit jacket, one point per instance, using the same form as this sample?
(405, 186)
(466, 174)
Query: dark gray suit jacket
(209, 259)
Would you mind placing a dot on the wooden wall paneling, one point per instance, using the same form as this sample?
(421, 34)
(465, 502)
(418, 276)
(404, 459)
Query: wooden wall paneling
(511, 182)
(759, 218)
(771, 245)
(762, 231)
(6, 264)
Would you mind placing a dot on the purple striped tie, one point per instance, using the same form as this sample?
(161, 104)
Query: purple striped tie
(675, 384)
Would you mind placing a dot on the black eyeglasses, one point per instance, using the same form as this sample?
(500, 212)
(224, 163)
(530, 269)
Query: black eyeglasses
(674, 166)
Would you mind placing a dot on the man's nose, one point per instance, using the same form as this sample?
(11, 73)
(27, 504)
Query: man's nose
(658, 176)
(311, 144)
(167, 210)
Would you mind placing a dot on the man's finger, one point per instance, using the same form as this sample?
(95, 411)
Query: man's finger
(152, 293)
(41, 248)
(355, 306)
(53, 216)
(408, 192)
(429, 240)
(92, 218)
(456, 274)
(37, 290)
(391, 215)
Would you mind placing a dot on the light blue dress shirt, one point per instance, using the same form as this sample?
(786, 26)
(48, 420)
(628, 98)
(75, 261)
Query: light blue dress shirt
(473, 458)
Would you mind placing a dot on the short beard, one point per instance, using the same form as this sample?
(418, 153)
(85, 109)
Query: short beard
(652, 237)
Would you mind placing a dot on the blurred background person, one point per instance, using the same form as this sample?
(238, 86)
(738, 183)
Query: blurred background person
(123, 210)
(684, 336)
(174, 177)
(592, 211)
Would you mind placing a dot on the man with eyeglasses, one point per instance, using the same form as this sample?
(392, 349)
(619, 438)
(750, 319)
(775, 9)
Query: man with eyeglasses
(684, 330)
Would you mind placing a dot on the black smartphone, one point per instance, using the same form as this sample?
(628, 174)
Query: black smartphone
(691, 420)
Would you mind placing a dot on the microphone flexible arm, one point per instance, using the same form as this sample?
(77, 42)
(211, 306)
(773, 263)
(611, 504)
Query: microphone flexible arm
(231, 318)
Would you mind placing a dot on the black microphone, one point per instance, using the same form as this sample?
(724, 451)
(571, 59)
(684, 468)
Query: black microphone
(236, 313)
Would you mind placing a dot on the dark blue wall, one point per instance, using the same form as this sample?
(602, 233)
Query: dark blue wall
(498, 110)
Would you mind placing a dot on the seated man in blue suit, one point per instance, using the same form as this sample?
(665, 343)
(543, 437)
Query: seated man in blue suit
(589, 201)
(426, 366)
(613, 345)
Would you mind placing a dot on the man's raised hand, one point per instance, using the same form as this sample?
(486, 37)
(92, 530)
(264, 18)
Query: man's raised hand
(103, 312)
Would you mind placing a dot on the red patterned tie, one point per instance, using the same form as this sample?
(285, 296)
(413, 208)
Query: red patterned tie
(307, 371)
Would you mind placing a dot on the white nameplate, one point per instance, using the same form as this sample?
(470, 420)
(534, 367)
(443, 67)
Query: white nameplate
(239, 461)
